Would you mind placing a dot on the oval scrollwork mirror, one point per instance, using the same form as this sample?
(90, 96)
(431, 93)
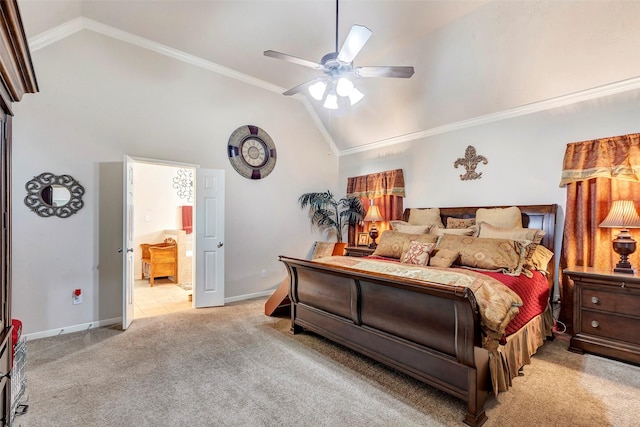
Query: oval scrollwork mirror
(54, 195)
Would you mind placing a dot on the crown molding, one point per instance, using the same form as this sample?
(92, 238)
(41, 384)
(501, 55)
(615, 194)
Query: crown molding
(535, 107)
(77, 24)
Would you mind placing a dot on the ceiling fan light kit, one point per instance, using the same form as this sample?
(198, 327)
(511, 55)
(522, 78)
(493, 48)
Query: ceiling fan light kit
(338, 69)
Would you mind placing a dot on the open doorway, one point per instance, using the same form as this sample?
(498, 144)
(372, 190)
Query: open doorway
(163, 217)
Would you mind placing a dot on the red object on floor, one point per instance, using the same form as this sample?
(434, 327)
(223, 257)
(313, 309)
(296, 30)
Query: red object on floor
(16, 332)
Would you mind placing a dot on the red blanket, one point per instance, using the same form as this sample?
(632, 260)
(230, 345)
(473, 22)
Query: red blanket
(534, 293)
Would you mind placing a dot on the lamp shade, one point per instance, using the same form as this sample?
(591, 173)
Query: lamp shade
(373, 214)
(623, 214)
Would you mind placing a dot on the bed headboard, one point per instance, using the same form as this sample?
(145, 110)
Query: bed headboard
(542, 217)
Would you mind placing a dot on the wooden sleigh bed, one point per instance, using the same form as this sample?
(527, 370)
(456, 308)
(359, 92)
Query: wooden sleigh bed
(431, 331)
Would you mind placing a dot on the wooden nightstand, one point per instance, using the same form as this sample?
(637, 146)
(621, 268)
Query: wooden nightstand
(606, 314)
(358, 251)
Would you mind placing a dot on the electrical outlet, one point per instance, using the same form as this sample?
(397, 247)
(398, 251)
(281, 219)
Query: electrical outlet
(263, 273)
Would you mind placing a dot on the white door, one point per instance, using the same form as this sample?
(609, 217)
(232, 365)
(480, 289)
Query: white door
(127, 248)
(209, 231)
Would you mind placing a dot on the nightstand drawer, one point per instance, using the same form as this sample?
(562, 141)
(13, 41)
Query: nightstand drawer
(611, 326)
(615, 302)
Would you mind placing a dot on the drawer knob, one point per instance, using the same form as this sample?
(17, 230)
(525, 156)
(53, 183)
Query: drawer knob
(595, 300)
(595, 324)
(622, 285)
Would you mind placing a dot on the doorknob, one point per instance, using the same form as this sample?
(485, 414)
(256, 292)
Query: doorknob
(220, 244)
(128, 250)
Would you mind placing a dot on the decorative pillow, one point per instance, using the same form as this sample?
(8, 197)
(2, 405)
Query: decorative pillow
(405, 227)
(322, 249)
(488, 254)
(540, 258)
(443, 258)
(391, 243)
(532, 234)
(460, 222)
(500, 217)
(456, 231)
(418, 253)
(429, 216)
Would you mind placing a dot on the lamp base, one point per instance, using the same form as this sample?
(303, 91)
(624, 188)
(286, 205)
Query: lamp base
(373, 233)
(626, 269)
(624, 245)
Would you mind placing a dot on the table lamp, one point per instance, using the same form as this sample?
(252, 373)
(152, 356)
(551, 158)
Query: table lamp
(623, 215)
(373, 215)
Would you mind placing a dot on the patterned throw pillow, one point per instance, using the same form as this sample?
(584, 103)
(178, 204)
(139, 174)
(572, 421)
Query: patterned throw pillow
(532, 234)
(488, 254)
(418, 253)
(392, 243)
(443, 258)
(454, 223)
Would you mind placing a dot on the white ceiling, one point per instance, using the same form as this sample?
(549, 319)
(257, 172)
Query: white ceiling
(471, 58)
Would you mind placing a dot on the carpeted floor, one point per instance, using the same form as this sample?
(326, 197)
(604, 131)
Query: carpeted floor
(233, 366)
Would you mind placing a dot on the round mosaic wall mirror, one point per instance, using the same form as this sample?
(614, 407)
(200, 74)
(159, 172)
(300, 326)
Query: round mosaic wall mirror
(54, 195)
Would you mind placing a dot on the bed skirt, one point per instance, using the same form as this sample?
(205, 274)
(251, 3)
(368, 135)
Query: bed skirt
(518, 349)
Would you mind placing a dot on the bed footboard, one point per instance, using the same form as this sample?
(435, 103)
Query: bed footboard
(430, 332)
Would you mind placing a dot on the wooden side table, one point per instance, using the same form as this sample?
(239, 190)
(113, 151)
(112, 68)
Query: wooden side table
(358, 251)
(606, 313)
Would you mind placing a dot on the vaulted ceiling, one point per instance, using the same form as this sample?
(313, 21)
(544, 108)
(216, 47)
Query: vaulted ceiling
(472, 59)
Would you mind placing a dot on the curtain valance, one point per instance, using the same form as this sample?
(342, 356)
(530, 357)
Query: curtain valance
(615, 157)
(388, 183)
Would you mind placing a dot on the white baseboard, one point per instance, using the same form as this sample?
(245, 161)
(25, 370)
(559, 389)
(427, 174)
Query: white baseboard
(73, 328)
(249, 296)
(118, 320)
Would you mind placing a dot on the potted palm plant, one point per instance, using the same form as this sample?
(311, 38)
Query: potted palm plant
(330, 215)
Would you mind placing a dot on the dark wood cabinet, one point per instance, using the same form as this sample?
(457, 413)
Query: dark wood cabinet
(358, 251)
(16, 78)
(606, 314)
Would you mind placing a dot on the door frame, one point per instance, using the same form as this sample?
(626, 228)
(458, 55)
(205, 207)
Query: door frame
(127, 286)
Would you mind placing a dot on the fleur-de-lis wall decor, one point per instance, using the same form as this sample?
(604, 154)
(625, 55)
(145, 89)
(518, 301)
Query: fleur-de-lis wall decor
(470, 162)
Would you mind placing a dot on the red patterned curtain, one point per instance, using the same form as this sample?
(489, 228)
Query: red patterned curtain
(383, 189)
(595, 173)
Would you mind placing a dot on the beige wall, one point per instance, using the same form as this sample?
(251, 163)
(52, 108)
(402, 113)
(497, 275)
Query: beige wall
(100, 99)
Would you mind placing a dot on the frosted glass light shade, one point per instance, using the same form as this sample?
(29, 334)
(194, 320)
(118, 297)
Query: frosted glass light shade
(331, 103)
(344, 87)
(317, 89)
(355, 96)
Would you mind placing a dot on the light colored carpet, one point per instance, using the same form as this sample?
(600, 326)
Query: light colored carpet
(233, 366)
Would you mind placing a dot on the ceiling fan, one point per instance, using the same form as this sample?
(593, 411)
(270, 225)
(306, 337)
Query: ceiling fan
(338, 69)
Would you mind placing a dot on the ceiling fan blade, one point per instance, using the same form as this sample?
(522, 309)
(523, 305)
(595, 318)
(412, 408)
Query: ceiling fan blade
(388, 71)
(294, 59)
(303, 86)
(354, 42)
